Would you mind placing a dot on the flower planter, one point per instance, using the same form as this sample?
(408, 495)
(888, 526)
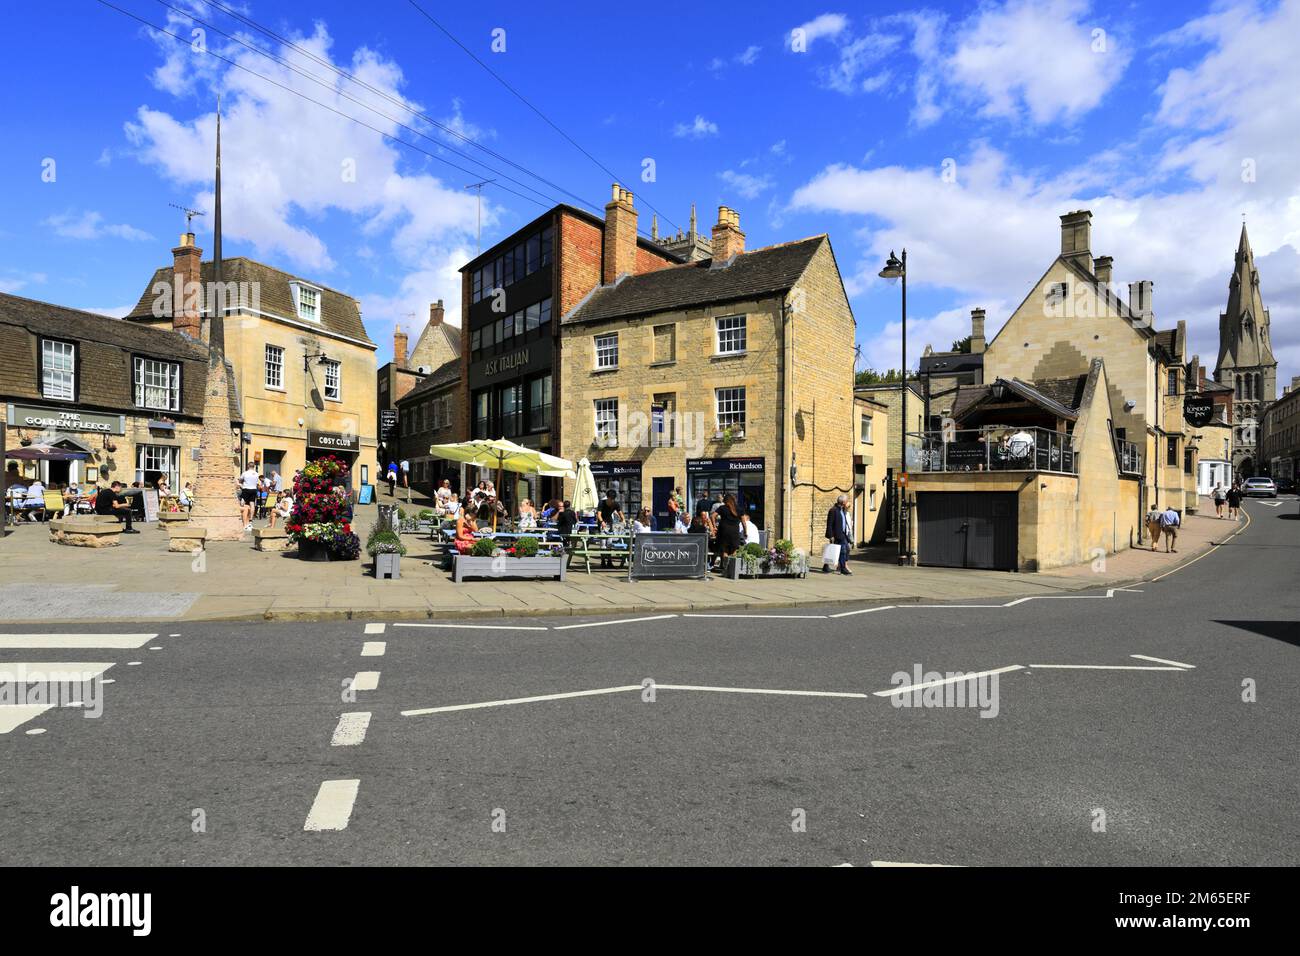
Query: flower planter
(388, 565)
(313, 551)
(542, 566)
(739, 567)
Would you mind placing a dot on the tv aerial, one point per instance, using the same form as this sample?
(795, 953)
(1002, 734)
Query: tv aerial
(189, 214)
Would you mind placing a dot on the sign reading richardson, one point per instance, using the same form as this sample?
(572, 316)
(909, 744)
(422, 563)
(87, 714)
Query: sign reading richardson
(669, 556)
(333, 441)
(700, 465)
(65, 420)
(1198, 409)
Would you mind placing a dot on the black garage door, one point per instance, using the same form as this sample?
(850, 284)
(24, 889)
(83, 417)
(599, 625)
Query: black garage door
(967, 529)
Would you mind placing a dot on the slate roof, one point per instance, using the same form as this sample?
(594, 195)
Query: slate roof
(751, 275)
(105, 350)
(340, 313)
(445, 374)
(1060, 396)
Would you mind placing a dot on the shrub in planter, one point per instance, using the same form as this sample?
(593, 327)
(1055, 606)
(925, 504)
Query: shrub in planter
(753, 552)
(483, 548)
(525, 548)
(383, 541)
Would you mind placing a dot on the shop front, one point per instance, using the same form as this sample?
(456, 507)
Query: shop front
(716, 477)
(623, 478)
(70, 429)
(342, 446)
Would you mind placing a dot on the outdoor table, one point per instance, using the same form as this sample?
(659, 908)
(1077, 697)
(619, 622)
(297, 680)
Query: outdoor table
(609, 544)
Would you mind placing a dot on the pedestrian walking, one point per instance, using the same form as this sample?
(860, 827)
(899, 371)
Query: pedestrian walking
(1153, 526)
(837, 532)
(406, 479)
(391, 476)
(1169, 522)
(249, 483)
(1234, 502)
(1220, 498)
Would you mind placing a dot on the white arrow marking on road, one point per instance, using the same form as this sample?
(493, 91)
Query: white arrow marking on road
(374, 648)
(365, 680)
(76, 641)
(1161, 660)
(948, 680)
(375, 628)
(15, 715)
(332, 807)
(351, 729)
(630, 620)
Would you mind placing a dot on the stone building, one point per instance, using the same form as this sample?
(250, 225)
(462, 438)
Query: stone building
(304, 366)
(1212, 441)
(1279, 435)
(727, 374)
(128, 397)
(434, 412)
(438, 344)
(870, 474)
(1246, 363)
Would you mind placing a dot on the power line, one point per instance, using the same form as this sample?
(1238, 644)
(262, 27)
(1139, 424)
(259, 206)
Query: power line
(526, 102)
(287, 89)
(377, 91)
(318, 81)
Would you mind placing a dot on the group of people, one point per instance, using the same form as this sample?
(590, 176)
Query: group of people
(255, 490)
(1165, 522)
(1231, 497)
(29, 498)
(396, 472)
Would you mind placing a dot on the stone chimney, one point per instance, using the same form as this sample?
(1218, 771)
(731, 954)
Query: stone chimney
(187, 288)
(1101, 269)
(728, 240)
(619, 257)
(1076, 238)
(1139, 300)
(977, 342)
(399, 347)
(436, 313)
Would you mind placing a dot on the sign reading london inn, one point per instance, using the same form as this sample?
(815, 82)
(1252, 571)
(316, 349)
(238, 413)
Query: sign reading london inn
(65, 420)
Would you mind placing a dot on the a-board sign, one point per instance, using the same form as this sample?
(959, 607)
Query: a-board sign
(151, 504)
(367, 495)
(669, 556)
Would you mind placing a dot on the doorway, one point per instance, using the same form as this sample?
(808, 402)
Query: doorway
(661, 491)
(968, 529)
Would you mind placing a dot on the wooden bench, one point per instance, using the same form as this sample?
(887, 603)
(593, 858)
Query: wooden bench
(579, 548)
(83, 533)
(270, 539)
(186, 538)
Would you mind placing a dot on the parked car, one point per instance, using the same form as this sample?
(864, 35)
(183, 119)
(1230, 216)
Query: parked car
(1259, 488)
(1285, 486)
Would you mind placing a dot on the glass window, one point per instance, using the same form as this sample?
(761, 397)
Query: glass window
(866, 430)
(539, 404)
(546, 311)
(274, 366)
(607, 350)
(500, 331)
(476, 339)
(157, 384)
(154, 461)
(508, 327)
(520, 265)
(482, 402)
(512, 409)
(308, 302)
(533, 256)
(1173, 381)
(607, 419)
(533, 316)
(731, 334)
(489, 335)
(58, 369)
(508, 268)
(334, 381)
(546, 245)
(477, 279)
(731, 407)
(1171, 455)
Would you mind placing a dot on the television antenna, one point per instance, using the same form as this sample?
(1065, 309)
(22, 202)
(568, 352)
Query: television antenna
(478, 187)
(189, 214)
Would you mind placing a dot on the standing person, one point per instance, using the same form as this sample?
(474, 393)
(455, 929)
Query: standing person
(1234, 503)
(674, 512)
(1169, 522)
(730, 534)
(391, 476)
(277, 482)
(837, 532)
(565, 521)
(1220, 496)
(249, 481)
(406, 479)
(609, 510)
(1153, 526)
(111, 501)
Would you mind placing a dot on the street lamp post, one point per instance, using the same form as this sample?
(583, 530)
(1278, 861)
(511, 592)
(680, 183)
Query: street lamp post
(894, 270)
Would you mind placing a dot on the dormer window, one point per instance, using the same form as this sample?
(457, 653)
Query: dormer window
(306, 299)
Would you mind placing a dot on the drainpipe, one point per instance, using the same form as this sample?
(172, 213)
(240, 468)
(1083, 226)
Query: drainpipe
(787, 452)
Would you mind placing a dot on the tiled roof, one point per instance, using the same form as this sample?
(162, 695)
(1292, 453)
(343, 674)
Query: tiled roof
(339, 312)
(104, 360)
(751, 275)
(1060, 396)
(445, 374)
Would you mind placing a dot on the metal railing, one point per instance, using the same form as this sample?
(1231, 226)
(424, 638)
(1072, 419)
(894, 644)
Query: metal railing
(999, 448)
(1130, 457)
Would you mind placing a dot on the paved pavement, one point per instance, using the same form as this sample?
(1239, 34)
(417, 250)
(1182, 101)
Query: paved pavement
(1153, 725)
(231, 581)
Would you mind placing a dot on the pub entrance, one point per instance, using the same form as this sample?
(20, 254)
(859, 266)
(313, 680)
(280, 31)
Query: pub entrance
(967, 529)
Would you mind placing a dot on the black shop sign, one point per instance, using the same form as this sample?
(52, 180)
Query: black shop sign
(1198, 409)
(669, 556)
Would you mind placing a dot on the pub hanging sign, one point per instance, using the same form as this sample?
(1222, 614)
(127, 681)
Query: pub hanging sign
(1198, 409)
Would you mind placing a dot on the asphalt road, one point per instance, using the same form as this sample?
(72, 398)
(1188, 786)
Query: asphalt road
(213, 747)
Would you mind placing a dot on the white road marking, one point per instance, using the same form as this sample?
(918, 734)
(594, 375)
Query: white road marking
(75, 641)
(779, 617)
(375, 628)
(365, 680)
(761, 690)
(35, 731)
(895, 863)
(522, 700)
(865, 610)
(374, 648)
(37, 672)
(351, 729)
(1110, 593)
(1161, 660)
(332, 807)
(478, 627)
(630, 620)
(948, 680)
(1272, 504)
(1102, 667)
(15, 715)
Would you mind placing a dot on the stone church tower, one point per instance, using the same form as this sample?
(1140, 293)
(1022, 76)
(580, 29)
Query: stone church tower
(1246, 362)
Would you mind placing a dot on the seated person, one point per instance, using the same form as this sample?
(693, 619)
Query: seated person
(465, 528)
(111, 501)
(527, 515)
(35, 500)
(641, 523)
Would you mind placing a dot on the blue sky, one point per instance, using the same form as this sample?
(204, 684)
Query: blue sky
(960, 130)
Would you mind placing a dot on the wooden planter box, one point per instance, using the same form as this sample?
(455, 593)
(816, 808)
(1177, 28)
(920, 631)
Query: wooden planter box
(542, 566)
(388, 565)
(736, 569)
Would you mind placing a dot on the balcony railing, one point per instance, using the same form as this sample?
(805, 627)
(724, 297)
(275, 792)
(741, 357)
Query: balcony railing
(999, 448)
(1130, 458)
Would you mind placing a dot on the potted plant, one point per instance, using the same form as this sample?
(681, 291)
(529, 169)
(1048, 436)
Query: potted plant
(523, 559)
(783, 559)
(321, 522)
(387, 550)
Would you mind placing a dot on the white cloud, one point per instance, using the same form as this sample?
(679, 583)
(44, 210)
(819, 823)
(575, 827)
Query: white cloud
(825, 25)
(749, 55)
(747, 186)
(91, 225)
(113, 312)
(12, 283)
(856, 58)
(699, 129)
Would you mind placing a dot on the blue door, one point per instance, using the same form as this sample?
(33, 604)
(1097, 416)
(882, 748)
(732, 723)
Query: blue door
(662, 491)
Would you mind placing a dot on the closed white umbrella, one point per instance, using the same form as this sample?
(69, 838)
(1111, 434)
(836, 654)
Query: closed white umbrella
(585, 496)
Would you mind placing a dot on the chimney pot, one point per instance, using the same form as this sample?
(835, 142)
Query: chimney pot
(399, 347)
(1101, 268)
(187, 288)
(1076, 237)
(436, 313)
(619, 254)
(728, 240)
(977, 342)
